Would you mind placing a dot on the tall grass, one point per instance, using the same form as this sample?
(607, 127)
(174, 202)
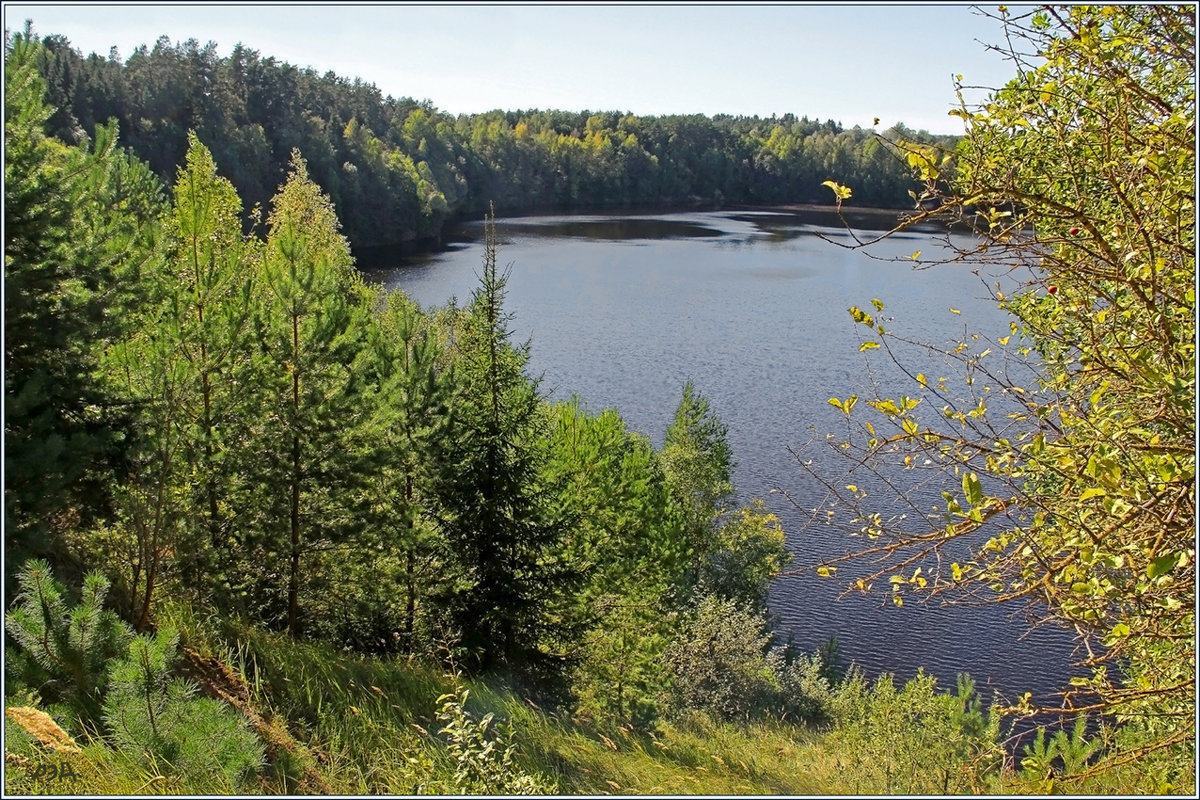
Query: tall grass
(365, 725)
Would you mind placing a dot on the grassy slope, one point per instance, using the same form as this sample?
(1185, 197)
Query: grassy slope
(369, 717)
(345, 724)
(338, 723)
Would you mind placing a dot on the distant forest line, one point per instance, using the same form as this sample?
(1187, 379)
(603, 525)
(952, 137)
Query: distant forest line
(399, 170)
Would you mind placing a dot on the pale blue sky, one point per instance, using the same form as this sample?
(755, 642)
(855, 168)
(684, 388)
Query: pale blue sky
(848, 62)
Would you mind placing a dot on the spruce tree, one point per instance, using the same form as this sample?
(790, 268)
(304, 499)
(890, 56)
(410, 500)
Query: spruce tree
(495, 508)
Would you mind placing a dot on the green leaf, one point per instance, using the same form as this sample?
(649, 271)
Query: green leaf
(868, 346)
(1162, 565)
(972, 489)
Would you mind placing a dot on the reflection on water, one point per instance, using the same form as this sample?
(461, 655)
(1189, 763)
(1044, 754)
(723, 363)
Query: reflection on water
(752, 306)
(610, 228)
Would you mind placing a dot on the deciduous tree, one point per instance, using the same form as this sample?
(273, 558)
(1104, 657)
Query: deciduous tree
(1071, 446)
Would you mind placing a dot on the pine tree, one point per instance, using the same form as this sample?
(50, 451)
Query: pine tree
(311, 321)
(79, 227)
(412, 410)
(186, 370)
(69, 647)
(698, 464)
(160, 722)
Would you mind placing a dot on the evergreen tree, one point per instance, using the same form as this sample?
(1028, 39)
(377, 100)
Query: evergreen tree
(310, 322)
(381, 584)
(79, 226)
(159, 721)
(495, 513)
(698, 465)
(626, 541)
(65, 651)
(186, 370)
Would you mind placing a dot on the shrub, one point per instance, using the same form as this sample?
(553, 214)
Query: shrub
(717, 661)
(484, 763)
(915, 740)
(805, 692)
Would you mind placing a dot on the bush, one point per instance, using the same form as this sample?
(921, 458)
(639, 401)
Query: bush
(913, 741)
(717, 661)
(484, 764)
(805, 692)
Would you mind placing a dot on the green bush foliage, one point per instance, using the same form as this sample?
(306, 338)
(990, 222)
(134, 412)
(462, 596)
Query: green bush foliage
(720, 662)
(484, 763)
(914, 740)
(717, 661)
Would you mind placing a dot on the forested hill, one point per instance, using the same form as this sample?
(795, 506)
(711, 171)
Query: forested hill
(398, 170)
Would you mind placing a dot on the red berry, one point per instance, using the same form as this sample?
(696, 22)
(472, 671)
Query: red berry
(1052, 289)
(1074, 231)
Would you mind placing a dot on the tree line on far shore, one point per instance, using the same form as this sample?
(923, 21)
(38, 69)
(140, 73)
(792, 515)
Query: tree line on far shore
(397, 170)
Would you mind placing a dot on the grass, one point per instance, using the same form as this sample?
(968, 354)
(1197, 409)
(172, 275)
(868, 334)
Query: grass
(339, 723)
(369, 726)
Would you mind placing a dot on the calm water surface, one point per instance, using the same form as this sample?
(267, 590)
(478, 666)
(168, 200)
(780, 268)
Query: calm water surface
(751, 306)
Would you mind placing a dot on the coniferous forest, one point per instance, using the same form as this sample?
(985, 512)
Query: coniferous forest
(270, 528)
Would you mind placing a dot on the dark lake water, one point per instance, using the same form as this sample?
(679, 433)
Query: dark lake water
(752, 307)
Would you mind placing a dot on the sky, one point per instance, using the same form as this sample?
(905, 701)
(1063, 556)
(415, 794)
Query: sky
(847, 62)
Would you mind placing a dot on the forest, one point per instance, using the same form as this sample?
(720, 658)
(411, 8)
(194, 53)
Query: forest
(398, 170)
(270, 528)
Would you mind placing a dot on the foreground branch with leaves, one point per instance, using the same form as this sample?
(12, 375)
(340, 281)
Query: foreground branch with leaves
(1070, 449)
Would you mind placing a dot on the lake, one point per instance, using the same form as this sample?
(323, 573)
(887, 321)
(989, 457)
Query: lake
(751, 306)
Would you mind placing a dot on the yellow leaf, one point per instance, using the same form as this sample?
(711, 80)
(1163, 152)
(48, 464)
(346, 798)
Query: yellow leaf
(840, 192)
